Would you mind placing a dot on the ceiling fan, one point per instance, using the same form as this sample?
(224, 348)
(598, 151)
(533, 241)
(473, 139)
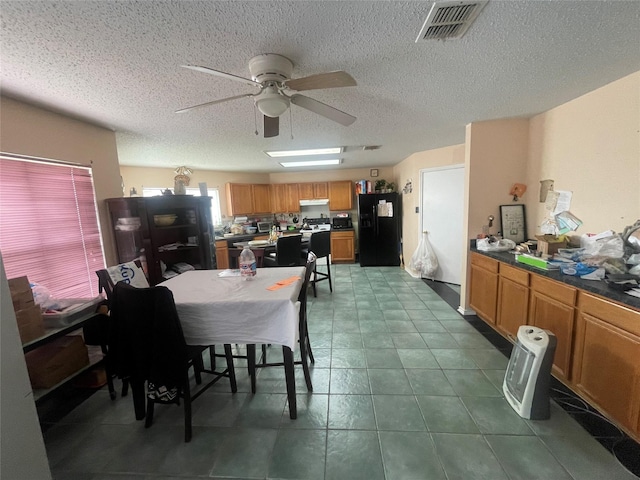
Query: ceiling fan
(271, 73)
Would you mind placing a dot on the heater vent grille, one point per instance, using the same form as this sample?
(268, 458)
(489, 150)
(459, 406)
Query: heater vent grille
(449, 20)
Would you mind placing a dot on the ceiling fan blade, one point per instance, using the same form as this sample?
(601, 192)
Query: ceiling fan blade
(322, 80)
(323, 109)
(271, 126)
(182, 110)
(218, 73)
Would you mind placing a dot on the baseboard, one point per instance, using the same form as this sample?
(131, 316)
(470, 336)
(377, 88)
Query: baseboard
(465, 311)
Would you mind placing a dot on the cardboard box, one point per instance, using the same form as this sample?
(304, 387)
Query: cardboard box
(30, 324)
(21, 294)
(550, 244)
(50, 364)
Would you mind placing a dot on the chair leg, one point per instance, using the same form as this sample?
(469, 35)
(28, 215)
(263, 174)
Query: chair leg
(108, 372)
(149, 416)
(198, 367)
(304, 356)
(230, 367)
(329, 273)
(125, 387)
(187, 410)
(315, 279)
(291, 382)
(264, 353)
(251, 362)
(212, 355)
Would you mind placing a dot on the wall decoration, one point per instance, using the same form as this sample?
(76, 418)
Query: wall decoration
(513, 222)
(374, 172)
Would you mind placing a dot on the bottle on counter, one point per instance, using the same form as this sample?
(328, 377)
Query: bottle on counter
(247, 263)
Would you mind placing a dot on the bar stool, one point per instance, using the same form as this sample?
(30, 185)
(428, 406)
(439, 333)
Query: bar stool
(320, 244)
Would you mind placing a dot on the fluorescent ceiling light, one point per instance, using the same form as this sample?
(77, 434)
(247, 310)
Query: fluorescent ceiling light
(311, 163)
(301, 153)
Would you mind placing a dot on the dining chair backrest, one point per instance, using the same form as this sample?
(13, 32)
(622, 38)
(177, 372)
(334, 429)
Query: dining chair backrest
(130, 272)
(309, 267)
(320, 244)
(234, 257)
(288, 250)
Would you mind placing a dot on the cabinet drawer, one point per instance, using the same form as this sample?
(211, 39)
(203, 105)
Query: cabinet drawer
(556, 290)
(484, 262)
(516, 275)
(614, 314)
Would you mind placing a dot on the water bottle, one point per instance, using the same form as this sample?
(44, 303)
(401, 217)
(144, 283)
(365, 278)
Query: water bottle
(247, 263)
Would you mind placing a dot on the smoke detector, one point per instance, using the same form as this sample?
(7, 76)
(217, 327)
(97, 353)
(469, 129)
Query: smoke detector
(449, 19)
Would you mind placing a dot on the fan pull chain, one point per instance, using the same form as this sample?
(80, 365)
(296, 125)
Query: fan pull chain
(255, 119)
(290, 123)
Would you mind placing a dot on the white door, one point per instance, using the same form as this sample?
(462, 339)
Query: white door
(442, 192)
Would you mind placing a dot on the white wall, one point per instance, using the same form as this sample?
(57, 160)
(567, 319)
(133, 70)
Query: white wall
(23, 456)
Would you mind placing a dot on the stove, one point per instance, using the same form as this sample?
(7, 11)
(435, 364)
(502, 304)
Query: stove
(316, 224)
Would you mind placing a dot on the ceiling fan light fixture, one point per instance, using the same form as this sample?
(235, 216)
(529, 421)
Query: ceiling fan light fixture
(312, 163)
(272, 103)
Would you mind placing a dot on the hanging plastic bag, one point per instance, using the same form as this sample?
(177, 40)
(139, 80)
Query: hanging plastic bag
(424, 262)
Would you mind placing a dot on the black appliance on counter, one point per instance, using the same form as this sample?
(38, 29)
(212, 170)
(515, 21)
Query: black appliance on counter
(379, 229)
(338, 223)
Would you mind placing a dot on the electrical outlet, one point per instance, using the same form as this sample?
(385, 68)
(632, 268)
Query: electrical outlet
(417, 209)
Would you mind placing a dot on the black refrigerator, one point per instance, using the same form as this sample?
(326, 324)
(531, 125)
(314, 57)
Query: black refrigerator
(379, 229)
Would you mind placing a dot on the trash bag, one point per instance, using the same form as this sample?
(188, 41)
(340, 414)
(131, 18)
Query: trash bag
(424, 262)
(493, 244)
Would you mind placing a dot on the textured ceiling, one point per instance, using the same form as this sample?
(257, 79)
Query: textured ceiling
(117, 64)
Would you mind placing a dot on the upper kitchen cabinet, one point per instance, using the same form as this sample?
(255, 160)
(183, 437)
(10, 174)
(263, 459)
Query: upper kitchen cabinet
(312, 191)
(261, 198)
(164, 232)
(284, 197)
(341, 195)
(247, 198)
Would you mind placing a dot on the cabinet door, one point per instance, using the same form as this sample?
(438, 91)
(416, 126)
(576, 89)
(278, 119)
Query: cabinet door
(513, 299)
(343, 247)
(513, 305)
(484, 287)
(341, 195)
(305, 191)
(321, 190)
(293, 200)
(239, 198)
(550, 314)
(278, 197)
(606, 369)
(222, 254)
(261, 198)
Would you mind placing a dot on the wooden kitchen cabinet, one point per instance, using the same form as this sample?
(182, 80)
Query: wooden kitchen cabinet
(311, 191)
(484, 287)
(343, 247)
(284, 198)
(222, 254)
(239, 198)
(341, 195)
(261, 195)
(606, 369)
(552, 307)
(513, 300)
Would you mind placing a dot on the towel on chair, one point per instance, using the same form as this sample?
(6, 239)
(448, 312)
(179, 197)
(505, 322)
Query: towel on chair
(128, 273)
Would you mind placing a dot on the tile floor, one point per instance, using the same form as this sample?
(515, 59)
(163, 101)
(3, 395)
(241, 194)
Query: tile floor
(404, 388)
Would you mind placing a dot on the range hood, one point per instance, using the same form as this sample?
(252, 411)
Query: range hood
(316, 201)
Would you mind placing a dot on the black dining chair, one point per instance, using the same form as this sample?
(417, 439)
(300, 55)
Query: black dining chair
(95, 331)
(287, 254)
(234, 257)
(320, 244)
(148, 347)
(303, 335)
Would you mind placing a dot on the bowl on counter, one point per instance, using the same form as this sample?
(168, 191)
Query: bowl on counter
(164, 220)
(251, 229)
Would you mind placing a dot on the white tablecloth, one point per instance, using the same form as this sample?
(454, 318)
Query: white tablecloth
(216, 310)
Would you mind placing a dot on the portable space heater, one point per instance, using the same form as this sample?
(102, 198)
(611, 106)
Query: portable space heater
(526, 381)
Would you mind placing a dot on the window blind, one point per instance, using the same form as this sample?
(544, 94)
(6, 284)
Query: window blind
(49, 226)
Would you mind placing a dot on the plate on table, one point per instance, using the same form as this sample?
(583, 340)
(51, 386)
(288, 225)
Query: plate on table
(257, 243)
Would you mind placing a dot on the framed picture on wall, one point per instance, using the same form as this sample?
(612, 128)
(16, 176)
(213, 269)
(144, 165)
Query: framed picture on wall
(513, 222)
(374, 172)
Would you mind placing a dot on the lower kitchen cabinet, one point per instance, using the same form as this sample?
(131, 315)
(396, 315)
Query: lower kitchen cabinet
(222, 254)
(606, 368)
(343, 247)
(513, 300)
(484, 287)
(552, 307)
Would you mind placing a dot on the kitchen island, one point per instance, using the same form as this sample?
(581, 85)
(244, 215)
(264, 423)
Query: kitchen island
(597, 328)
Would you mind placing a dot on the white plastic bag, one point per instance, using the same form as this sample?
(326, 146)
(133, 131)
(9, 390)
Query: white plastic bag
(492, 244)
(424, 262)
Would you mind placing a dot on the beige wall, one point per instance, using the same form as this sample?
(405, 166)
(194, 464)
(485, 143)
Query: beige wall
(409, 170)
(28, 130)
(590, 146)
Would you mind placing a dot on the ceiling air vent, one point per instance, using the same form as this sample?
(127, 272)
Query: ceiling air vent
(449, 20)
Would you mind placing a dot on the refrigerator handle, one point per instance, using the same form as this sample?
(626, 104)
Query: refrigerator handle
(375, 219)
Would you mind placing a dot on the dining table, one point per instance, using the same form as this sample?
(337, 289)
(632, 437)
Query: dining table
(218, 307)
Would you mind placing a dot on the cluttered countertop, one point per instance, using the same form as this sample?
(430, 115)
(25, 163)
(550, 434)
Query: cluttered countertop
(598, 287)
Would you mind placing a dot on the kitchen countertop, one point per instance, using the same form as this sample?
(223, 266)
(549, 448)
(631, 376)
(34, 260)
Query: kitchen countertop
(598, 287)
